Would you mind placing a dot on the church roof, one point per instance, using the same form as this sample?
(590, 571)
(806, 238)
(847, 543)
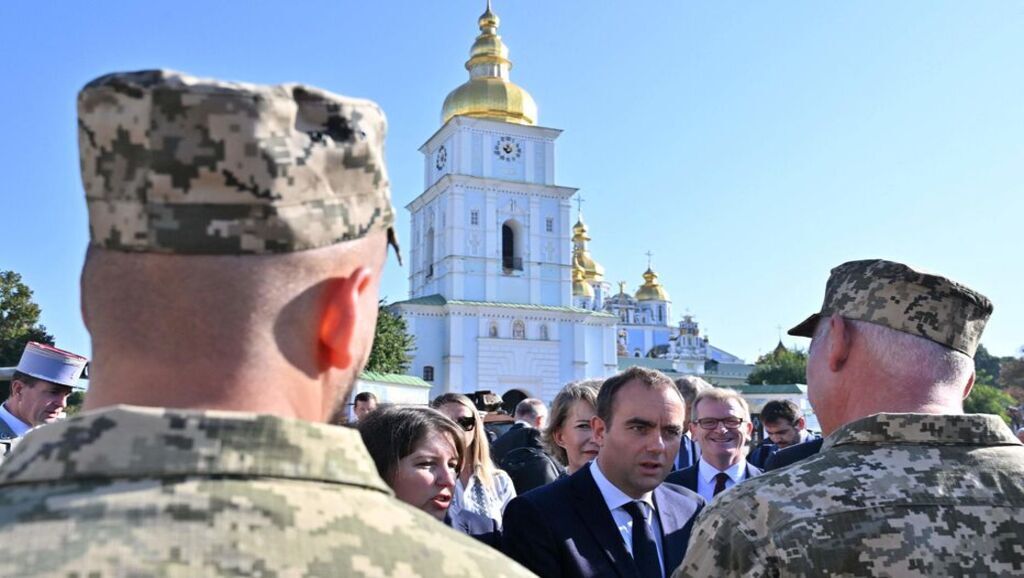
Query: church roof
(378, 377)
(489, 93)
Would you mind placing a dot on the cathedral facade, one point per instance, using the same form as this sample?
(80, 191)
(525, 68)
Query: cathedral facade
(504, 294)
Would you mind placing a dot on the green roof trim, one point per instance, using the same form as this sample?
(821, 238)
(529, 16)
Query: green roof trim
(396, 378)
(781, 389)
(437, 300)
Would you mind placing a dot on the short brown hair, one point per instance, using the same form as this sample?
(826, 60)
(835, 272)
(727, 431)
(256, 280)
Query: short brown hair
(365, 396)
(780, 410)
(611, 386)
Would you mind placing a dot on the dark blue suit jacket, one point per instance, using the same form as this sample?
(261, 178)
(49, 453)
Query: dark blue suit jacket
(687, 477)
(793, 454)
(565, 529)
(476, 525)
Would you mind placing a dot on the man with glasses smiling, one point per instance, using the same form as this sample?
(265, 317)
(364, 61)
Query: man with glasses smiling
(722, 427)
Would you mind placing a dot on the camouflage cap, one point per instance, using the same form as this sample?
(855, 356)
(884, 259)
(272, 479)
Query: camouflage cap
(899, 297)
(177, 164)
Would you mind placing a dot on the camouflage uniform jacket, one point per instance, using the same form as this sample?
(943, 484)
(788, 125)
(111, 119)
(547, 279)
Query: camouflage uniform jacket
(889, 495)
(145, 492)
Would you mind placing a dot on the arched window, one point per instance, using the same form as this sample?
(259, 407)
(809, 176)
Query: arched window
(511, 257)
(544, 332)
(518, 329)
(492, 331)
(428, 373)
(428, 255)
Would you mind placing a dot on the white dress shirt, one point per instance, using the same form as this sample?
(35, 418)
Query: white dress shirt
(706, 477)
(17, 426)
(616, 500)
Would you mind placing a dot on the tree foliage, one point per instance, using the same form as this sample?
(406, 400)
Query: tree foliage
(392, 343)
(19, 319)
(988, 399)
(781, 366)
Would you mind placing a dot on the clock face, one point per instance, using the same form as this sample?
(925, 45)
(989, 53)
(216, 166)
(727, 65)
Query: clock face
(508, 149)
(441, 159)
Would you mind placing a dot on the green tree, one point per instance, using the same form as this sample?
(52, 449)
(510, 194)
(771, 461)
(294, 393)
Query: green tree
(986, 367)
(392, 344)
(988, 399)
(781, 366)
(19, 319)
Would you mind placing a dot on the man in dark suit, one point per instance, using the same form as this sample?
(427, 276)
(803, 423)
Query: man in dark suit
(613, 517)
(722, 427)
(784, 427)
(530, 416)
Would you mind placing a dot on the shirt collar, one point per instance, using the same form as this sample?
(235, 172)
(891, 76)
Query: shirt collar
(138, 442)
(17, 426)
(918, 428)
(735, 471)
(613, 496)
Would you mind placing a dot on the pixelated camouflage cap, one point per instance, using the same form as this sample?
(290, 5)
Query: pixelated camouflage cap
(900, 297)
(177, 164)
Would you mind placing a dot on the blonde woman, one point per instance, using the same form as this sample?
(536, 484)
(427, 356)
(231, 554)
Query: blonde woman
(481, 487)
(567, 435)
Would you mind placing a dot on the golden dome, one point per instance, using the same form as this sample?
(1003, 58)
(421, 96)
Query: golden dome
(581, 259)
(651, 290)
(580, 287)
(489, 93)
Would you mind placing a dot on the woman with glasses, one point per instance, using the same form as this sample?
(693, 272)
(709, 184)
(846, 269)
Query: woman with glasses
(419, 452)
(481, 487)
(567, 435)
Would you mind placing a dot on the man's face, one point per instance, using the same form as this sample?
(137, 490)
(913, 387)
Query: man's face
(364, 407)
(721, 446)
(640, 443)
(783, 433)
(43, 402)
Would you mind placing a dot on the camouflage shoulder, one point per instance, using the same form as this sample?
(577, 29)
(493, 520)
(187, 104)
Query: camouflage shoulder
(726, 542)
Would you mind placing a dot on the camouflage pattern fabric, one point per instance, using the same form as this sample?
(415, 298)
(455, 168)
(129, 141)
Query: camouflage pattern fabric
(899, 297)
(889, 495)
(140, 492)
(177, 164)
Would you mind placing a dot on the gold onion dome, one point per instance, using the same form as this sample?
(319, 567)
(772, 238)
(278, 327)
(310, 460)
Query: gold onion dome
(651, 290)
(489, 93)
(581, 259)
(580, 287)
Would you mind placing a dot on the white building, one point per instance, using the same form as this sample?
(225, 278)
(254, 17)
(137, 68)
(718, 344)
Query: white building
(490, 273)
(504, 294)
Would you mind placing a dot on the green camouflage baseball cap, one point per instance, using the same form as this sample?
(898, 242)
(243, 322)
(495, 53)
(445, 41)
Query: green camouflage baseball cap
(900, 297)
(183, 165)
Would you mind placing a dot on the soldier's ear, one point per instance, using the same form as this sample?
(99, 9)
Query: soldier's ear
(969, 385)
(838, 343)
(340, 317)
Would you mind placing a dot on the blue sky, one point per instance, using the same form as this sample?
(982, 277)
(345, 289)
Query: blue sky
(749, 146)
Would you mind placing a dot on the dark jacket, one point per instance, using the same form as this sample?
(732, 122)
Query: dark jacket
(476, 525)
(564, 529)
(793, 454)
(522, 455)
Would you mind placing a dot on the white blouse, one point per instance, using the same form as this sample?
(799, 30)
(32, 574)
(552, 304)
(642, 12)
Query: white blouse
(475, 497)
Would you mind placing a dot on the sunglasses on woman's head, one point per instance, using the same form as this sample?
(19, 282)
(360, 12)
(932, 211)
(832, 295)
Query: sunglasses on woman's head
(466, 423)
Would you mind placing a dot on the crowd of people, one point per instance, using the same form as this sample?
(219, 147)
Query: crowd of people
(237, 238)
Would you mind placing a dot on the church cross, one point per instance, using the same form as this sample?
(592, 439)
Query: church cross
(649, 255)
(579, 203)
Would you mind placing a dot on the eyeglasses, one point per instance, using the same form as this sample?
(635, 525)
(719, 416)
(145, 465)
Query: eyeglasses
(467, 423)
(711, 423)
